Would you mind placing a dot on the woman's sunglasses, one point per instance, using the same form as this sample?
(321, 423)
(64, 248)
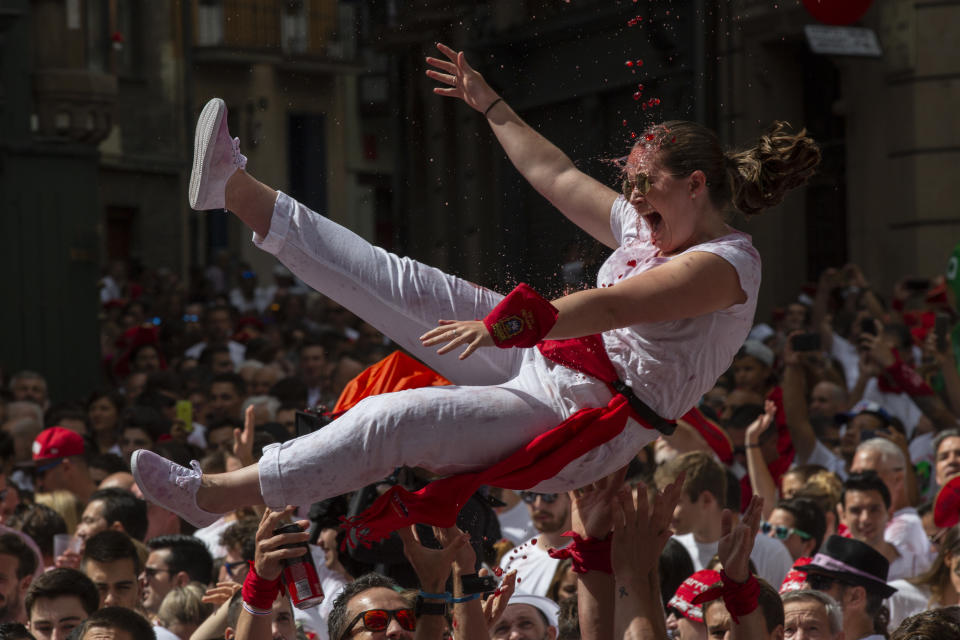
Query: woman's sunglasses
(530, 497)
(379, 620)
(781, 532)
(640, 182)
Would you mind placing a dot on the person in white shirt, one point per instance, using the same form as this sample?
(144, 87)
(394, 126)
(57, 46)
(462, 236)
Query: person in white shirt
(904, 530)
(939, 586)
(696, 519)
(535, 568)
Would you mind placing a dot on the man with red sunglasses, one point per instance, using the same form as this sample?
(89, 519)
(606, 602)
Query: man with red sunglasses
(371, 607)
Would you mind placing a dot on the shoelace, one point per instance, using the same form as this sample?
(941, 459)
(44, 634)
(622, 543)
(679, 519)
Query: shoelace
(180, 479)
(239, 160)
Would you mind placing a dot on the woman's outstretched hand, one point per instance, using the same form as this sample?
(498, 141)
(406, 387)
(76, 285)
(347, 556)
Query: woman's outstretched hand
(460, 79)
(472, 333)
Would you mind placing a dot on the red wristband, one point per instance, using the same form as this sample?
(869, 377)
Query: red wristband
(740, 598)
(586, 554)
(522, 318)
(259, 592)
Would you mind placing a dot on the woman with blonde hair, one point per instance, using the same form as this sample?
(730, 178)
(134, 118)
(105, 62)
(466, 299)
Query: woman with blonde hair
(65, 503)
(183, 609)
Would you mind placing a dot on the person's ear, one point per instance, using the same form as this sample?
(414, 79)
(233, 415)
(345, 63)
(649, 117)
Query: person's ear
(551, 633)
(24, 583)
(855, 595)
(116, 525)
(809, 547)
(698, 182)
(229, 633)
(777, 633)
(182, 579)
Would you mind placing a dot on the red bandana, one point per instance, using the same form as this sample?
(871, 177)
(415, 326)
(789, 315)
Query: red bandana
(439, 502)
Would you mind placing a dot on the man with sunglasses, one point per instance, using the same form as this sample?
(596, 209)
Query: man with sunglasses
(799, 524)
(174, 561)
(855, 575)
(550, 513)
(371, 607)
(59, 463)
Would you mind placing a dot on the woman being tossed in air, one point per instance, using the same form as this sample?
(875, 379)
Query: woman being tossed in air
(609, 365)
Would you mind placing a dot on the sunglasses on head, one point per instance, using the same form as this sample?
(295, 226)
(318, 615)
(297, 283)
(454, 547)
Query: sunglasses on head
(781, 532)
(530, 497)
(640, 182)
(379, 620)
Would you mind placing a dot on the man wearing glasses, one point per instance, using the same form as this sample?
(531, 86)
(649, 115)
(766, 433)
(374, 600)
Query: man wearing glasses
(799, 524)
(371, 605)
(550, 513)
(174, 561)
(855, 575)
(59, 463)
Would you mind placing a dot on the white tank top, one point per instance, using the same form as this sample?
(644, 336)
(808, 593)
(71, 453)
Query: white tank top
(669, 365)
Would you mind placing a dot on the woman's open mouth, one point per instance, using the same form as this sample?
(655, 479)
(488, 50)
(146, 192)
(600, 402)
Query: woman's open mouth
(653, 220)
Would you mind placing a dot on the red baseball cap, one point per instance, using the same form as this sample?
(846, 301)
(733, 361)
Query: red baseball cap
(683, 599)
(55, 443)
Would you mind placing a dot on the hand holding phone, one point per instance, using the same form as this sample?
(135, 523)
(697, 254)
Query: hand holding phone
(184, 411)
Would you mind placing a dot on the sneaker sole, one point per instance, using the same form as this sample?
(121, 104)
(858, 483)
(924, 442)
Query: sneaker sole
(151, 498)
(207, 127)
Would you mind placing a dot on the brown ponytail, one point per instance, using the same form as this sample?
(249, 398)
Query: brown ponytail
(780, 161)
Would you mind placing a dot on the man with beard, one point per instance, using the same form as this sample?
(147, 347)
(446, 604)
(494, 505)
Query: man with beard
(550, 513)
(17, 564)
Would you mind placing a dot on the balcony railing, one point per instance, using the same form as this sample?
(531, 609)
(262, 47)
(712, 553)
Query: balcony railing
(317, 28)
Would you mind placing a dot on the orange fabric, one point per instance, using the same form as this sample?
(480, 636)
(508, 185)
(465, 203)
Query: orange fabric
(396, 372)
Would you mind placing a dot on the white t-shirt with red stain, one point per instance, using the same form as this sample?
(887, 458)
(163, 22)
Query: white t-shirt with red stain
(669, 365)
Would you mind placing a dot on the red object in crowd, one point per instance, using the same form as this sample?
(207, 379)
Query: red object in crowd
(946, 508)
(396, 372)
(837, 12)
(132, 339)
(716, 437)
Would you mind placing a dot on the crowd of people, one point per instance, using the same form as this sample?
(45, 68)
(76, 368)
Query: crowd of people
(839, 415)
(812, 491)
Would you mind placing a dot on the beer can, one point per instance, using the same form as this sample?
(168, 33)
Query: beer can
(300, 574)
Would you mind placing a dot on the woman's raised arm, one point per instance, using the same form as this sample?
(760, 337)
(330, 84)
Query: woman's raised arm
(582, 199)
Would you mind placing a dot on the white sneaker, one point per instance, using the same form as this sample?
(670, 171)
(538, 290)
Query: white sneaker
(171, 486)
(216, 156)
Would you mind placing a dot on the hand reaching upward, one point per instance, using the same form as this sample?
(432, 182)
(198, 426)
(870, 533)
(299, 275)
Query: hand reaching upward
(462, 80)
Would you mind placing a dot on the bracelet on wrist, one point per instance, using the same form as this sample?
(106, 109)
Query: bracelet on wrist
(492, 105)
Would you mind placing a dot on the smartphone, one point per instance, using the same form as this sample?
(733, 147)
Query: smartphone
(917, 284)
(867, 325)
(184, 411)
(941, 328)
(806, 342)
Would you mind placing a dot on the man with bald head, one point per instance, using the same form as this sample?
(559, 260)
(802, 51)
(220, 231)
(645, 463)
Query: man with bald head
(827, 400)
(904, 529)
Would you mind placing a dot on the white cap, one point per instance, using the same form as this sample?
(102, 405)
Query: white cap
(761, 332)
(758, 350)
(546, 606)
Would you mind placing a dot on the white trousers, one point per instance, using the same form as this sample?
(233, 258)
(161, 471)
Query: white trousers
(501, 398)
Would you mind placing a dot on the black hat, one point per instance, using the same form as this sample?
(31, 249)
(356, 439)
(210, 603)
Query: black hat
(852, 562)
